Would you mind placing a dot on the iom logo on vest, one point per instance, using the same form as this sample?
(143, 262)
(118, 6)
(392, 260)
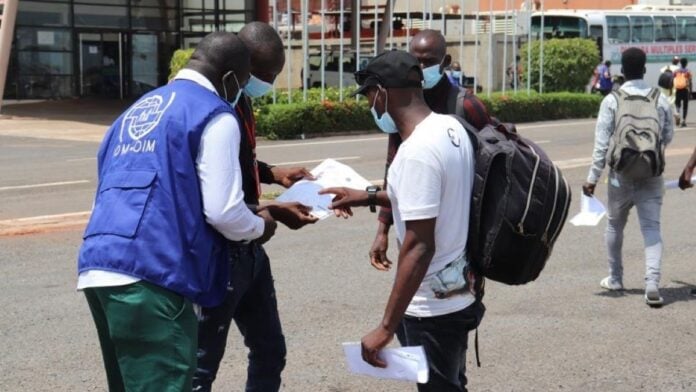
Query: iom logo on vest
(141, 119)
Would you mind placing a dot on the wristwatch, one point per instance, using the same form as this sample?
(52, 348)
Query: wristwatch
(372, 197)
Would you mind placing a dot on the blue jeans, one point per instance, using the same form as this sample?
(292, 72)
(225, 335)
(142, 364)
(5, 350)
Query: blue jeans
(251, 302)
(444, 339)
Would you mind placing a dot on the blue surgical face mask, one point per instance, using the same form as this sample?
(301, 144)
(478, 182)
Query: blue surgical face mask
(239, 88)
(431, 76)
(386, 122)
(457, 74)
(257, 87)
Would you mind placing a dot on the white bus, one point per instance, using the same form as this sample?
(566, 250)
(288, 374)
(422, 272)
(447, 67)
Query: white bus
(661, 33)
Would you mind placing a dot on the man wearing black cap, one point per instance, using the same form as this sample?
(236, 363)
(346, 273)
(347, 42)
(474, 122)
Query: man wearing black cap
(430, 49)
(432, 302)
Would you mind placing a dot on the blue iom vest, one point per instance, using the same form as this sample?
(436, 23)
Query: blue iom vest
(148, 219)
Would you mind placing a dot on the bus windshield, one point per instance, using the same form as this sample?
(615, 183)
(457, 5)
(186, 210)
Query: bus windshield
(560, 27)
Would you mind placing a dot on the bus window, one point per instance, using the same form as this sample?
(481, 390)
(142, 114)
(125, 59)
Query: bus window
(686, 28)
(560, 27)
(641, 29)
(665, 28)
(617, 29)
(597, 34)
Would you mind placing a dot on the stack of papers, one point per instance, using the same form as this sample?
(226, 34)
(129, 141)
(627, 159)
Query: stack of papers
(591, 212)
(328, 174)
(405, 363)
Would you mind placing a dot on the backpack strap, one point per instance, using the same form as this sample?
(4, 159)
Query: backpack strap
(453, 96)
(654, 96)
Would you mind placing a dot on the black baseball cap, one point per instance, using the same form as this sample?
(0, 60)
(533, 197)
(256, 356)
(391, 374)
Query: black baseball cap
(390, 70)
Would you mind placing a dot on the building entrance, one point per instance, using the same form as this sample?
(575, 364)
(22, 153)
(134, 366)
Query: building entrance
(101, 64)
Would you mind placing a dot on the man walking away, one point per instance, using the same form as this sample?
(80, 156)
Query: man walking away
(430, 185)
(682, 85)
(605, 82)
(672, 66)
(430, 48)
(629, 186)
(154, 244)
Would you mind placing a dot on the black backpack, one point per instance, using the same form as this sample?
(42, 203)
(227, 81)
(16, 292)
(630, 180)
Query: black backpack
(519, 204)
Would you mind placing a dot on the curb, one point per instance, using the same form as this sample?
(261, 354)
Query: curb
(43, 224)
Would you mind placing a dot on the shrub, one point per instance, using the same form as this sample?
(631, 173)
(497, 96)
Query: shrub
(313, 95)
(568, 63)
(521, 107)
(178, 61)
(285, 121)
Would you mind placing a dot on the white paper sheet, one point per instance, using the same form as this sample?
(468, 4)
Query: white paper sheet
(591, 212)
(674, 184)
(404, 363)
(329, 173)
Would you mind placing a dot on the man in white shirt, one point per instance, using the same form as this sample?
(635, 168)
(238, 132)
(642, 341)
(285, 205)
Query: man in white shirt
(433, 302)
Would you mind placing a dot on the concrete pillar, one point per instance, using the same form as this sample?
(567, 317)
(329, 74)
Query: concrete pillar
(9, 14)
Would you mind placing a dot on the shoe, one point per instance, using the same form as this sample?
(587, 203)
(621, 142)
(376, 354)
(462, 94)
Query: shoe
(683, 124)
(652, 295)
(611, 284)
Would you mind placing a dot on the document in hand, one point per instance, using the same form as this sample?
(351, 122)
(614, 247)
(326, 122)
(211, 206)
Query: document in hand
(328, 174)
(674, 184)
(404, 363)
(591, 212)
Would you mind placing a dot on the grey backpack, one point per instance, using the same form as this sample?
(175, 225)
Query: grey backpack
(635, 149)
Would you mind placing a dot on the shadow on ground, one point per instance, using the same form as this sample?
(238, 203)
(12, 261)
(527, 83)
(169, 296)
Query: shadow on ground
(670, 294)
(94, 110)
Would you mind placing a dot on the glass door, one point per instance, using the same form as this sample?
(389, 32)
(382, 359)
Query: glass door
(101, 63)
(144, 59)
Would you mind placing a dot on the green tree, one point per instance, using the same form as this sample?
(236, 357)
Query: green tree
(568, 63)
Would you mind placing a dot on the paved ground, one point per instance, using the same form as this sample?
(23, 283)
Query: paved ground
(560, 333)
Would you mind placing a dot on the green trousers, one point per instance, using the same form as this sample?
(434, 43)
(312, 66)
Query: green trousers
(148, 337)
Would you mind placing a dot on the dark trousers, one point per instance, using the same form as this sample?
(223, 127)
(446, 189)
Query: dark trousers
(444, 339)
(251, 302)
(682, 97)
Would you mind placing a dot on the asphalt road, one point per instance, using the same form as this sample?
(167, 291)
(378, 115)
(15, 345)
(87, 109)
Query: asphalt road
(559, 333)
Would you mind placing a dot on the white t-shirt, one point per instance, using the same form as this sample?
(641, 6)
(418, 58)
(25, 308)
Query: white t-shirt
(432, 177)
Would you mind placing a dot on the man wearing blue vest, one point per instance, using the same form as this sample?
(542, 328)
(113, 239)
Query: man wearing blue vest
(251, 299)
(168, 196)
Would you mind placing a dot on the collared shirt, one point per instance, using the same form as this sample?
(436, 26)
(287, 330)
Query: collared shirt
(606, 124)
(220, 180)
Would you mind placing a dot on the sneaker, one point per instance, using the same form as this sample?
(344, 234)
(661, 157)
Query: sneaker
(611, 284)
(652, 295)
(683, 124)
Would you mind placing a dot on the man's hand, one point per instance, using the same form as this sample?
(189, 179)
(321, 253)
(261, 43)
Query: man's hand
(293, 214)
(286, 176)
(344, 199)
(588, 189)
(269, 226)
(372, 343)
(685, 178)
(378, 251)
